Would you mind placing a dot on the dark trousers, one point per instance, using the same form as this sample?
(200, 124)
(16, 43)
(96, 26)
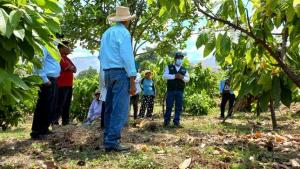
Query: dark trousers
(225, 98)
(102, 115)
(134, 101)
(147, 102)
(63, 104)
(45, 108)
(177, 98)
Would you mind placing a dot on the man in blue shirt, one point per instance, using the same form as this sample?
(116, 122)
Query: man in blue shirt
(117, 61)
(227, 94)
(45, 107)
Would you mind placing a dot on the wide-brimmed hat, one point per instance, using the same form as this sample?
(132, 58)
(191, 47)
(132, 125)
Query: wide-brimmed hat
(147, 71)
(122, 14)
(97, 92)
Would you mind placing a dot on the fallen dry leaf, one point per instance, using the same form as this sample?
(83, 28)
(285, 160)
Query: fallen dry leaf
(185, 164)
(295, 163)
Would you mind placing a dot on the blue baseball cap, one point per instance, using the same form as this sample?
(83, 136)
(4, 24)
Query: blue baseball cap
(179, 54)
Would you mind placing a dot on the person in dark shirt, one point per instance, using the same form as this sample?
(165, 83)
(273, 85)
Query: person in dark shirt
(177, 76)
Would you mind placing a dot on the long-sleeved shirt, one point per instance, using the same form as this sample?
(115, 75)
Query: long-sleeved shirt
(116, 50)
(138, 79)
(95, 109)
(102, 86)
(50, 67)
(169, 76)
(66, 76)
(222, 86)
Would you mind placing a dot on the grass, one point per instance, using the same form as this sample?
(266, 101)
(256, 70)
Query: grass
(204, 139)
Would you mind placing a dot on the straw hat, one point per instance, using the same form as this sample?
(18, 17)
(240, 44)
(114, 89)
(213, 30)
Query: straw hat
(97, 91)
(122, 14)
(147, 71)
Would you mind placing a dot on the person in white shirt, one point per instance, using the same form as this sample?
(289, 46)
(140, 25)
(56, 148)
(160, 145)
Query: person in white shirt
(102, 96)
(95, 109)
(177, 76)
(134, 100)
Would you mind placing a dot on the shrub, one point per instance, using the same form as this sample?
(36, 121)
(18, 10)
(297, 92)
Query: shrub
(199, 104)
(83, 90)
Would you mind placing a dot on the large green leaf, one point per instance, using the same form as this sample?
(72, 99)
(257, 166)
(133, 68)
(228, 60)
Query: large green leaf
(201, 40)
(53, 6)
(209, 47)
(264, 101)
(14, 18)
(266, 81)
(3, 21)
(242, 10)
(51, 48)
(276, 90)
(286, 95)
(19, 33)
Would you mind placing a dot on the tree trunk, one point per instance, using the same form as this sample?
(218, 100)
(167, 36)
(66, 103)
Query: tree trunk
(273, 116)
(257, 108)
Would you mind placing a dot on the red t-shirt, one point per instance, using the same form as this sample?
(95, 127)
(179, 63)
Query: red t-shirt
(66, 76)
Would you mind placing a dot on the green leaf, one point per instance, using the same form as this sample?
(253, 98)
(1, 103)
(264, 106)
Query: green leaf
(53, 51)
(53, 24)
(266, 81)
(162, 11)
(209, 47)
(264, 101)
(18, 81)
(286, 95)
(41, 3)
(53, 6)
(19, 33)
(242, 10)
(14, 18)
(201, 40)
(182, 5)
(277, 20)
(3, 21)
(276, 90)
(27, 49)
(290, 13)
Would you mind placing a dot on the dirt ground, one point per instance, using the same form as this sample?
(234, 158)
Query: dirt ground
(246, 141)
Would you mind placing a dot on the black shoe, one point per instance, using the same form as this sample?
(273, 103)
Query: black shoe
(48, 132)
(35, 136)
(166, 124)
(221, 117)
(118, 148)
(178, 126)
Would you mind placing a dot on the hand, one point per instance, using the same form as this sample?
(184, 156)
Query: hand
(179, 76)
(132, 90)
(47, 83)
(73, 69)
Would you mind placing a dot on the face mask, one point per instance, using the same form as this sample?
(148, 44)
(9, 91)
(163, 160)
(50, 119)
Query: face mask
(178, 62)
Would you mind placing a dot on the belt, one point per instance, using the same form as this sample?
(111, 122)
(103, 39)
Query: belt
(51, 78)
(113, 69)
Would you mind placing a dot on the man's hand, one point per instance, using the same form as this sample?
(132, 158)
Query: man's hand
(73, 69)
(47, 83)
(179, 76)
(132, 89)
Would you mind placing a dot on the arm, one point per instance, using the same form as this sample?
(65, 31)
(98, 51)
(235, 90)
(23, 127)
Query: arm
(127, 55)
(42, 71)
(166, 74)
(221, 86)
(90, 112)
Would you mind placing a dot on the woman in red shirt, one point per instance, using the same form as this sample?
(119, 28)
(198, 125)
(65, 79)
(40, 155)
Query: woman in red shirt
(65, 84)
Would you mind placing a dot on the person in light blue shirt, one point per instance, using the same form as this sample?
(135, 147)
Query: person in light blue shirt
(117, 62)
(227, 94)
(148, 89)
(45, 107)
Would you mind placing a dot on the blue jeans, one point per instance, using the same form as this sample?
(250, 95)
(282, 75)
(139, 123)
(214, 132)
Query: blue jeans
(177, 97)
(116, 106)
